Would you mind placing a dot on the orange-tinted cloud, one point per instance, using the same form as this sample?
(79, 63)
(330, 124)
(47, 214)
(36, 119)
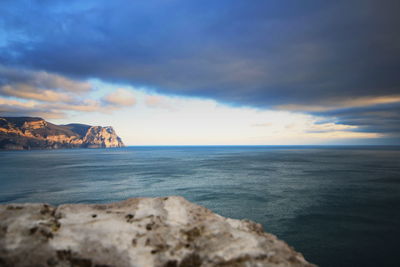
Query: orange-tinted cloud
(155, 101)
(120, 97)
(26, 92)
(333, 104)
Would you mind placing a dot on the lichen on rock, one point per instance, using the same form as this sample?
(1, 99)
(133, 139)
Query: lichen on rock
(167, 231)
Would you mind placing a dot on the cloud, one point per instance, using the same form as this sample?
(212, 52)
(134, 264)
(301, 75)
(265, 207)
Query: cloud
(267, 124)
(262, 54)
(10, 107)
(335, 104)
(27, 80)
(383, 118)
(330, 127)
(27, 92)
(40, 85)
(295, 55)
(120, 97)
(156, 101)
(38, 93)
(337, 135)
(31, 108)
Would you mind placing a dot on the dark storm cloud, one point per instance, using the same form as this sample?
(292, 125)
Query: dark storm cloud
(377, 119)
(257, 53)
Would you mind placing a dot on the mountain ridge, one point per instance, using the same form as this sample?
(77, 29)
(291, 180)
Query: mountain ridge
(24, 133)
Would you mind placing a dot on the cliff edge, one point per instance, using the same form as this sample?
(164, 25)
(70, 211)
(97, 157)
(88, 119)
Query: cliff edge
(167, 231)
(19, 133)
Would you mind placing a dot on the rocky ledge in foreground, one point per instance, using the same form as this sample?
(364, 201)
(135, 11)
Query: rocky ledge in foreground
(166, 232)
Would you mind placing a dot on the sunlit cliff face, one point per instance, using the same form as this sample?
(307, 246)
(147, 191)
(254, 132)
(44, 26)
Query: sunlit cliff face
(36, 133)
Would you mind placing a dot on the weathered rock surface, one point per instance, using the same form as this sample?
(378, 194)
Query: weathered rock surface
(98, 136)
(35, 133)
(166, 231)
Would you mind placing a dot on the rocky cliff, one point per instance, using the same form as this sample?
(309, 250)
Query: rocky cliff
(36, 133)
(165, 232)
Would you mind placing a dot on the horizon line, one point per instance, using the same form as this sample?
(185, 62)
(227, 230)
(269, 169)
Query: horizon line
(257, 145)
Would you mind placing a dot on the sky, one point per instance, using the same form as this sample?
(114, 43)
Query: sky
(227, 72)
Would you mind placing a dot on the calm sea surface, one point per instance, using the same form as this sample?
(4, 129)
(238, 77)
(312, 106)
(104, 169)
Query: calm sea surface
(339, 206)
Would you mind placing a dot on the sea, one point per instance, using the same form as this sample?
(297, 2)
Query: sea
(337, 205)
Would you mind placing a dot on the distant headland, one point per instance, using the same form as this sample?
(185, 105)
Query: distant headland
(24, 133)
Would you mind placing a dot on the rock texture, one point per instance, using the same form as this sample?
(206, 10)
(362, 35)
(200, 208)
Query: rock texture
(166, 232)
(35, 133)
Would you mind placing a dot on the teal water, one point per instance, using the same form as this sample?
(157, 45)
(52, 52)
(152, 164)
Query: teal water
(339, 206)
